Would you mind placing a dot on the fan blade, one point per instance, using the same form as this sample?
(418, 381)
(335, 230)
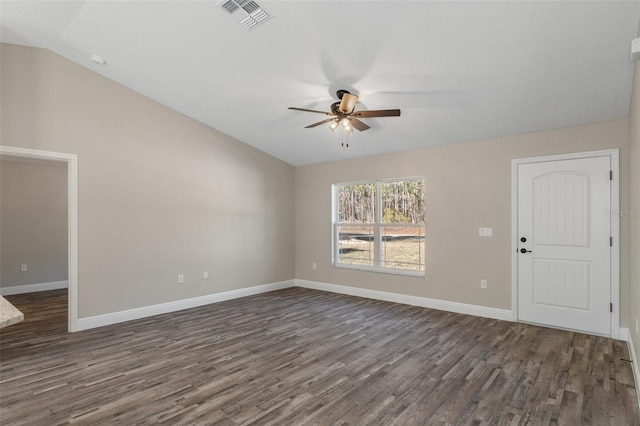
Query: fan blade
(348, 103)
(357, 124)
(311, 110)
(319, 123)
(377, 113)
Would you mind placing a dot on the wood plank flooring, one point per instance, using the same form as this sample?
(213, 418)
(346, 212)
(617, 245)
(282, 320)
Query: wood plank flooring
(304, 357)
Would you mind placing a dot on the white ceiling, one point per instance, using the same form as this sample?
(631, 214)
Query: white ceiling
(460, 71)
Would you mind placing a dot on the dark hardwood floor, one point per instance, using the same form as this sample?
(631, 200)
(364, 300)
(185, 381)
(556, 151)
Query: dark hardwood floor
(298, 357)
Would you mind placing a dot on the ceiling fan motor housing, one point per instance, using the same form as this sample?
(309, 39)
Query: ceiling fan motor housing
(341, 93)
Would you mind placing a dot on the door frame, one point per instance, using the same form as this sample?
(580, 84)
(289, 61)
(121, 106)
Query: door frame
(72, 220)
(613, 154)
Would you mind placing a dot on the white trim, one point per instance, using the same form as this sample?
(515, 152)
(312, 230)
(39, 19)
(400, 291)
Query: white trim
(72, 200)
(443, 305)
(381, 270)
(178, 305)
(624, 334)
(613, 154)
(615, 250)
(634, 360)
(33, 288)
(514, 239)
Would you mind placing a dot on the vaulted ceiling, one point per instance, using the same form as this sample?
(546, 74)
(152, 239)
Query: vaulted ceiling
(459, 71)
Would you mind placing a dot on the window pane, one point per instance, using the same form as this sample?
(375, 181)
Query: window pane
(355, 245)
(403, 247)
(356, 203)
(380, 226)
(403, 201)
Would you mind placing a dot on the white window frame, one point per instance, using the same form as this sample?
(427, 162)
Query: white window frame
(377, 234)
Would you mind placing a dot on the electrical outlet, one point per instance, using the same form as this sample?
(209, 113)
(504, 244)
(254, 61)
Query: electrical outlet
(483, 283)
(314, 266)
(485, 232)
(180, 278)
(205, 275)
(23, 267)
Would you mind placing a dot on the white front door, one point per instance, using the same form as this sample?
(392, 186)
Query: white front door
(564, 248)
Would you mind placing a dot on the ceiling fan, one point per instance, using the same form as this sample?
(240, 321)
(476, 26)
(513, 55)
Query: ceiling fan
(343, 114)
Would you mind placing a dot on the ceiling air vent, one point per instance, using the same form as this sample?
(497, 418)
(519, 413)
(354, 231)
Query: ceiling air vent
(249, 13)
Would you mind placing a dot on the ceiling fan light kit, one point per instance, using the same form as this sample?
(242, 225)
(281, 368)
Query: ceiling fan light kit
(346, 125)
(343, 114)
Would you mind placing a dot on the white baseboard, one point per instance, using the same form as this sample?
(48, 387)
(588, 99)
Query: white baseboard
(443, 305)
(164, 308)
(32, 288)
(634, 361)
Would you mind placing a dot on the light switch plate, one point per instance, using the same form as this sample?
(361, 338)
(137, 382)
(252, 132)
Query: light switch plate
(485, 232)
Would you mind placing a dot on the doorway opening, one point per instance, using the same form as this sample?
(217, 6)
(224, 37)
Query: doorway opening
(71, 161)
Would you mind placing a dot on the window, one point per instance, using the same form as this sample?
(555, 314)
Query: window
(380, 226)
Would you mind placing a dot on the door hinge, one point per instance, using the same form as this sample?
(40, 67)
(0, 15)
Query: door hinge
(610, 174)
(610, 241)
(610, 307)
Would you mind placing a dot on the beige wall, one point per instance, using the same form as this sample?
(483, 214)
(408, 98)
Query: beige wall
(33, 222)
(467, 186)
(159, 193)
(634, 212)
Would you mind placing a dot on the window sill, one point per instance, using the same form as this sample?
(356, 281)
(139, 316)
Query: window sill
(406, 273)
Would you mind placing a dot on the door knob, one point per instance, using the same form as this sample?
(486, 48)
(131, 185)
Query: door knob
(523, 250)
